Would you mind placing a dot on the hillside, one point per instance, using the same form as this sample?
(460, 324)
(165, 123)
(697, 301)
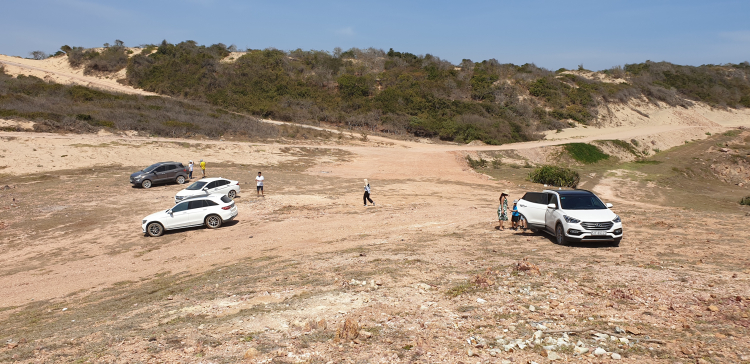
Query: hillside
(403, 94)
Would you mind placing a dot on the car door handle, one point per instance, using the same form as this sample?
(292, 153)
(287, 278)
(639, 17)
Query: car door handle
(523, 205)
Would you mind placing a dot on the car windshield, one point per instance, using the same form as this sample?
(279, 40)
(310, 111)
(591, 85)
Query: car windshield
(151, 167)
(196, 186)
(581, 202)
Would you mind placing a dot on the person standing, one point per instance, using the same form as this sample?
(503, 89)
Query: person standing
(367, 194)
(502, 210)
(203, 168)
(190, 170)
(259, 184)
(515, 217)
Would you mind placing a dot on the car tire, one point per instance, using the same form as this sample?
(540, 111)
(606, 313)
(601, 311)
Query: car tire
(154, 229)
(560, 235)
(146, 183)
(213, 221)
(232, 194)
(616, 242)
(180, 179)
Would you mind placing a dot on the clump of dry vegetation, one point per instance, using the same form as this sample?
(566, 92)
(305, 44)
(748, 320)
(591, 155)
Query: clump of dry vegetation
(55, 107)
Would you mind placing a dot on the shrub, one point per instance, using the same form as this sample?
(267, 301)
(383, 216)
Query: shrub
(745, 200)
(476, 163)
(555, 176)
(585, 153)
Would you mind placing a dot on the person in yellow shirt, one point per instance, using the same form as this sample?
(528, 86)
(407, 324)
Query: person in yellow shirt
(203, 168)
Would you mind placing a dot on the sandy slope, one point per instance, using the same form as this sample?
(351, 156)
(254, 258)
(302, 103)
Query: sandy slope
(58, 70)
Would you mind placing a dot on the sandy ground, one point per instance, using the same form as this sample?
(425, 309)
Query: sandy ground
(424, 273)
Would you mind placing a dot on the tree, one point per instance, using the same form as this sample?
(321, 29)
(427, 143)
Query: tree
(119, 43)
(66, 48)
(38, 55)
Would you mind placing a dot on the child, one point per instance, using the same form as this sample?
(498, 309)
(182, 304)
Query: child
(515, 216)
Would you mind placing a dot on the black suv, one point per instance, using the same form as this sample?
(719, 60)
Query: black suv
(162, 172)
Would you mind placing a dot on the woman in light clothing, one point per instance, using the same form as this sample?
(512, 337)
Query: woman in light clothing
(190, 170)
(502, 210)
(367, 193)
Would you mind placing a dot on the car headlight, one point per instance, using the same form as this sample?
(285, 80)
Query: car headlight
(617, 219)
(571, 220)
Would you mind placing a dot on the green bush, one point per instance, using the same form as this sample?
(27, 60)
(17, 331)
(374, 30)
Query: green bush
(555, 176)
(476, 163)
(745, 200)
(585, 153)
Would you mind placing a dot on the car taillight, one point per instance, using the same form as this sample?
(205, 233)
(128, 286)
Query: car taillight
(226, 207)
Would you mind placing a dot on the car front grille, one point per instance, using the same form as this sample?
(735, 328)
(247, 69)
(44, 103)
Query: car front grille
(597, 225)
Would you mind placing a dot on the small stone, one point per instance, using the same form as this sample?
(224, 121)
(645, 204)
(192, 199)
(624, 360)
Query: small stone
(619, 330)
(251, 353)
(551, 355)
(624, 340)
(480, 300)
(616, 356)
(532, 308)
(365, 334)
(471, 353)
(599, 352)
(713, 308)
(505, 361)
(580, 350)
(633, 330)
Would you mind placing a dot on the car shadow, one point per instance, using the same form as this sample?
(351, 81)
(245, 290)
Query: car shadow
(180, 231)
(591, 245)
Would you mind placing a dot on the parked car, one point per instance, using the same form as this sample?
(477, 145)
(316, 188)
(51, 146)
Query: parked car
(210, 186)
(571, 216)
(162, 172)
(211, 211)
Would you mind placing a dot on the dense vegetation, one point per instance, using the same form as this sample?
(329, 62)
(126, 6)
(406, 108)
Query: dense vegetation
(406, 94)
(585, 153)
(555, 176)
(56, 107)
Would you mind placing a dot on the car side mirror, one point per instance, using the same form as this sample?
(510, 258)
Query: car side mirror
(551, 206)
(205, 188)
(169, 211)
(609, 205)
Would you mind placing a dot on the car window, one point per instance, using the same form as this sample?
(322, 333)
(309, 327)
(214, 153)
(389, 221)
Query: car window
(151, 167)
(180, 207)
(226, 199)
(196, 186)
(535, 197)
(582, 202)
(161, 169)
(195, 204)
(223, 182)
(171, 167)
(212, 185)
(550, 198)
(210, 203)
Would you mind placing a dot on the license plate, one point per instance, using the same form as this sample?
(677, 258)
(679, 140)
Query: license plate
(598, 233)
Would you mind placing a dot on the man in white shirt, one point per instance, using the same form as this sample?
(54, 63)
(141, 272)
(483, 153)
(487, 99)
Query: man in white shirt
(259, 184)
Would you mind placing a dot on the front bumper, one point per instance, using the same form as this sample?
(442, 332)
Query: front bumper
(577, 233)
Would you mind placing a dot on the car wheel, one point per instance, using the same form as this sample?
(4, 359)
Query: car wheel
(560, 235)
(154, 229)
(213, 221)
(232, 194)
(616, 242)
(146, 183)
(180, 179)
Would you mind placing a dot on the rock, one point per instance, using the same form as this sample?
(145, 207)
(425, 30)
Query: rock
(599, 352)
(532, 308)
(479, 300)
(349, 331)
(713, 308)
(365, 334)
(251, 353)
(619, 330)
(633, 330)
(624, 340)
(423, 286)
(580, 350)
(510, 347)
(720, 336)
(505, 361)
(494, 352)
(551, 355)
(616, 356)
(471, 353)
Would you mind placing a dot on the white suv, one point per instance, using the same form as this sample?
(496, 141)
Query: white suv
(212, 211)
(209, 186)
(571, 216)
